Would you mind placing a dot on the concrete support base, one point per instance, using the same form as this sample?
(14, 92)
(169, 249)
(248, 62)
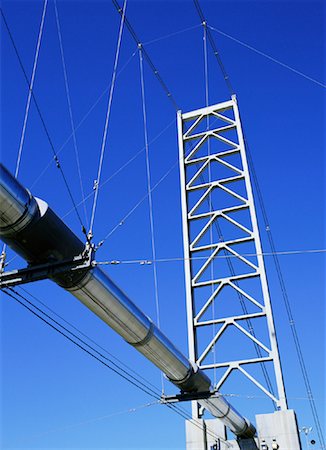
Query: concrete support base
(278, 430)
(275, 431)
(205, 435)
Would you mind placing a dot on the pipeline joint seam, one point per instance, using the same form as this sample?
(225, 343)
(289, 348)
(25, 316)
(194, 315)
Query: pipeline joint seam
(146, 339)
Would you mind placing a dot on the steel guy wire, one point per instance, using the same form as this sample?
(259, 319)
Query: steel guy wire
(286, 302)
(286, 66)
(88, 338)
(97, 356)
(244, 44)
(137, 375)
(214, 48)
(107, 118)
(147, 57)
(55, 156)
(90, 421)
(121, 222)
(31, 86)
(150, 199)
(79, 344)
(74, 130)
(125, 164)
(181, 259)
(149, 183)
(106, 351)
(64, 68)
(112, 176)
(83, 120)
(258, 397)
(29, 97)
(209, 181)
(166, 36)
(206, 70)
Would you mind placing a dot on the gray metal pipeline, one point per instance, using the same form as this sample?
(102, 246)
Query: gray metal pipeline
(35, 232)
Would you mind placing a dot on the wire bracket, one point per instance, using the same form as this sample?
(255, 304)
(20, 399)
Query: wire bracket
(186, 397)
(43, 271)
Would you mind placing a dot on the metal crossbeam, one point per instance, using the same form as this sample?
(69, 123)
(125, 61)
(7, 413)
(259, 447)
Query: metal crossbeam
(213, 163)
(39, 272)
(186, 397)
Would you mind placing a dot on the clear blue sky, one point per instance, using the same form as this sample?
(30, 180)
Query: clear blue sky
(53, 395)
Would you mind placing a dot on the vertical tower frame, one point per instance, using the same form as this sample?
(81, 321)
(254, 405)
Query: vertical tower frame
(208, 140)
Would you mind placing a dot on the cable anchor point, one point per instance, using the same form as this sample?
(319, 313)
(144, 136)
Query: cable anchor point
(90, 248)
(95, 185)
(3, 261)
(57, 162)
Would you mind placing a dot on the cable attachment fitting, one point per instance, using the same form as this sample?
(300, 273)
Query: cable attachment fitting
(3, 261)
(57, 162)
(95, 185)
(99, 245)
(89, 247)
(145, 262)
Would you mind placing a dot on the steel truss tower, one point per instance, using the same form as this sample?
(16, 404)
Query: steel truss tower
(226, 286)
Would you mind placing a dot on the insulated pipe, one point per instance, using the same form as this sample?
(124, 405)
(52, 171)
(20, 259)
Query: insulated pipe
(35, 232)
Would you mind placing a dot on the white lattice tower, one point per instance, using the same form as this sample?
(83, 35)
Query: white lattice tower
(224, 265)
